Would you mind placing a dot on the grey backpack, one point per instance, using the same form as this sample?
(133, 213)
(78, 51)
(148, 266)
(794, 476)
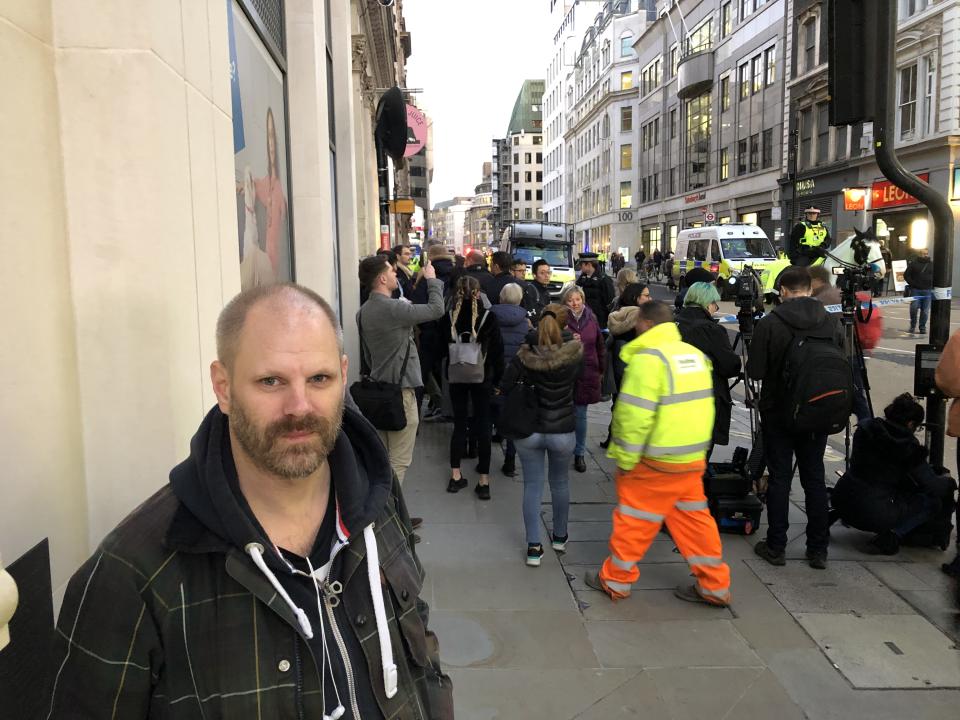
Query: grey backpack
(467, 359)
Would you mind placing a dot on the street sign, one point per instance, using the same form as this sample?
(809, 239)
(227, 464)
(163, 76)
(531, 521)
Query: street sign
(709, 217)
(416, 131)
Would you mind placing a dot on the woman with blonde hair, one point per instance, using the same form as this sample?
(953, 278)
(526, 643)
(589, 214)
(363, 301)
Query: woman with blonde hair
(549, 360)
(584, 325)
(627, 276)
(468, 322)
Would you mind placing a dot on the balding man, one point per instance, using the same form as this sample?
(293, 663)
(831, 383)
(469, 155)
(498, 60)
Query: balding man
(275, 575)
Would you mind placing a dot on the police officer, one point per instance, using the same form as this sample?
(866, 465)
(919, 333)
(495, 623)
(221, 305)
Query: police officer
(598, 289)
(809, 238)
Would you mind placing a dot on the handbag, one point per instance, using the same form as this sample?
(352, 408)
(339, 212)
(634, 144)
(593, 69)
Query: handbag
(380, 402)
(466, 359)
(518, 417)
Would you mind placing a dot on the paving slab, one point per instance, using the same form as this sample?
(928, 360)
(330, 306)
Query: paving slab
(937, 606)
(506, 586)
(536, 693)
(654, 576)
(671, 644)
(844, 587)
(886, 651)
(743, 693)
(647, 606)
(514, 638)
(590, 530)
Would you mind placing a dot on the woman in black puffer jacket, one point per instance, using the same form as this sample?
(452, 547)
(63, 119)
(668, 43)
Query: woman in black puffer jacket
(551, 361)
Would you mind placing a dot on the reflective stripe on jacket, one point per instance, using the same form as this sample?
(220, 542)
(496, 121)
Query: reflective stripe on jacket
(665, 408)
(815, 234)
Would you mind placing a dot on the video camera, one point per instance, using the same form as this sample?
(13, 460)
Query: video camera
(852, 279)
(747, 287)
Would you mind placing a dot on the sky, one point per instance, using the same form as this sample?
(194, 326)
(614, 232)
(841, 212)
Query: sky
(470, 57)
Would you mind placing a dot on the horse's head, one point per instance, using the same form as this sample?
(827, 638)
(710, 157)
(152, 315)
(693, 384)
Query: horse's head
(866, 251)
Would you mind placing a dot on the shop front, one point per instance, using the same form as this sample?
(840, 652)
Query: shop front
(899, 220)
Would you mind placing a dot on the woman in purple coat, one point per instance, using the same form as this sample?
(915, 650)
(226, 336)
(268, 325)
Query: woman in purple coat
(583, 324)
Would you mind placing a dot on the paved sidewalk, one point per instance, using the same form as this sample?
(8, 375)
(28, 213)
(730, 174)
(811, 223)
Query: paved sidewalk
(866, 638)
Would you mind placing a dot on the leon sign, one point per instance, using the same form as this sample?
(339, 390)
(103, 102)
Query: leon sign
(885, 194)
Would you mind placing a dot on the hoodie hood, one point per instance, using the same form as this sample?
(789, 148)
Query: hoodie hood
(890, 439)
(655, 337)
(802, 313)
(206, 482)
(510, 316)
(623, 320)
(444, 268)
(545, 358)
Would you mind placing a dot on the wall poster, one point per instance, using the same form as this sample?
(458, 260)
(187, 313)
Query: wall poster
(260, 156)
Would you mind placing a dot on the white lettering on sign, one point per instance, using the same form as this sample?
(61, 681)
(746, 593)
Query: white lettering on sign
(688, 363)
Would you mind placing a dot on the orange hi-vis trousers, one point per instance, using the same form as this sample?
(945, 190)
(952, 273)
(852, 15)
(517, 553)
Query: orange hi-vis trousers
(649, 496)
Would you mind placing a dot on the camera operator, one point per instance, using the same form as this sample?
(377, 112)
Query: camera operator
(800, 316)
(891, 489)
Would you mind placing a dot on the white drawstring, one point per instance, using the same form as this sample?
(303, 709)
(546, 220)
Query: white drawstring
(255, 551)
(380, 612)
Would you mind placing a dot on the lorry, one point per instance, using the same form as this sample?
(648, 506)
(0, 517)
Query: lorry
(724, 250)
(531, 241)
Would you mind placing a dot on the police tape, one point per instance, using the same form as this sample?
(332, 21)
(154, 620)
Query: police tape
(876, 302)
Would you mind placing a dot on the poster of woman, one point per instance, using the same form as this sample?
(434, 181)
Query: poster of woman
(260, 156)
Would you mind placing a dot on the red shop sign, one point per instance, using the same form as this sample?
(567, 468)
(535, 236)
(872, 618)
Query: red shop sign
(885, 194)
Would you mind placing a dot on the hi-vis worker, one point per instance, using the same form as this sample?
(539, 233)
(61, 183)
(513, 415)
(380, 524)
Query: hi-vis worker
(808, 239)
(662, 426)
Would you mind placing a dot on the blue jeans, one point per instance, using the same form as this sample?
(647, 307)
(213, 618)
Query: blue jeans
(581, 446)
(558, 447)
(920, 305)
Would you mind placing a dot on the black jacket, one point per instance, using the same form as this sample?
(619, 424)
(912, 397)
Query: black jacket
(178, 581)
(888, 473)
(553, 371)
(703, 332)
(598, 293)
(919, 273)
(772, 338)
(488, 336)
(497, 283)
(543, 298)
(482, 276)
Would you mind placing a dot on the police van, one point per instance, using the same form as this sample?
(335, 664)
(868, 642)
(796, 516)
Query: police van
(723, 250)
(532, 241)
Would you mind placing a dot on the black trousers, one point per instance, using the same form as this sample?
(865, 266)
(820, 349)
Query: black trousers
(462, 395)
(780, 447)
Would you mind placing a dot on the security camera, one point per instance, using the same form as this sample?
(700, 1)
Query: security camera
(386, 3)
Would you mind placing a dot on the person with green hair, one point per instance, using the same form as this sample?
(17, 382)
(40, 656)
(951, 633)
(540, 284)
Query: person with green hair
(698, 328)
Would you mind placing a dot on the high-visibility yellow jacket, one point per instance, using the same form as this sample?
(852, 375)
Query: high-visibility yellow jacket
(665, 408)
(814, 235)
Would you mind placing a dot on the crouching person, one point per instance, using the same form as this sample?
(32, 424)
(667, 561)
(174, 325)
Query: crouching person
(891, 489)
(662, 426)
(275, 575)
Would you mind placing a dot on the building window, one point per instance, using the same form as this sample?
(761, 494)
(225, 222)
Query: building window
(698, 141)
(767, 161)
(626, 119)
(539, 194)
(725, 93)
(741, 157)
(726, 19)
(650, 77)
(539, 158)
(743, 80)
(626, 45)
(674, 60)
(528, 195)
(626, 80)
(516, 196)
(909, 8)
(756, 70)
(626, 157)
(929, 94)
(516, 139)
(809, 44)
(840, 143)
(527, 158)
(823, 133)
(908, 100)
(724, 171)
(516, 177)
(527, 214)
(643, 190)
(539, 176)
(673, 181)
(754, 153)
(744, 9)
(702, 37)
(626, 195)
(770, 63)
(806, 137)
(528, 176)
(516, 158)
(538, 139)
(673, 123)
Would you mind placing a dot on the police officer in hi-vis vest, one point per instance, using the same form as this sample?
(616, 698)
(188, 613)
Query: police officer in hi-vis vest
(809, 238)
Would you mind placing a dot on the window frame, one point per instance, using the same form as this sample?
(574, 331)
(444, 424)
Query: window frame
(909, 105)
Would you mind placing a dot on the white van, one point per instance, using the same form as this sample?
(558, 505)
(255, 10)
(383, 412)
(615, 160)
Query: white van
(723, 250)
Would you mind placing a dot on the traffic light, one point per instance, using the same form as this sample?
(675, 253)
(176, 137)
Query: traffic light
(852, 42)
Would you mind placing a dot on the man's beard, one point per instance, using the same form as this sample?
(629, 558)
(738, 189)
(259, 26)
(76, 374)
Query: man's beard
(265, 446)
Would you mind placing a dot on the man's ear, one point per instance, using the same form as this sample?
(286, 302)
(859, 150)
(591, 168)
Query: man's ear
(220, 379)
(344, 367)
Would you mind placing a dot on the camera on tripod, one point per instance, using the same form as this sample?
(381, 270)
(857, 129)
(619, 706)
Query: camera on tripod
(747, 290)
(852, 279)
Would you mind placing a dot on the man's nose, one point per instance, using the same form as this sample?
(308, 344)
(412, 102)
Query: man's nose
(295, 401)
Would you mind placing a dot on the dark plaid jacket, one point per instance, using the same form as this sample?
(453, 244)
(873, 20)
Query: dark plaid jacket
(169, 620)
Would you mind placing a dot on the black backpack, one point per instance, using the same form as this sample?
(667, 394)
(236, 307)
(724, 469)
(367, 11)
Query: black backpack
(818, 384)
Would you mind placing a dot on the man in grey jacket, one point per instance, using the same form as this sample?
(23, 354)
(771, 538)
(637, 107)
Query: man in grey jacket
(387, 343)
